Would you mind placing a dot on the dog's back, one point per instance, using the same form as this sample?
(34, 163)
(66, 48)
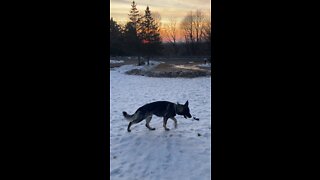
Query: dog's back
(158, 108)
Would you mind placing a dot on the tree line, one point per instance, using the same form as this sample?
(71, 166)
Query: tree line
(140, 36)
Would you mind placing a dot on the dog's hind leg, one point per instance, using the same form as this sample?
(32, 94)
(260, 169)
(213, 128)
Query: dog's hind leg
(148, 121)
(138, 118)
(165, 119)
(133, 122)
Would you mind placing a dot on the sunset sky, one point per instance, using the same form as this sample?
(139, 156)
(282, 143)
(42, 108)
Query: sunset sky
(178, 9)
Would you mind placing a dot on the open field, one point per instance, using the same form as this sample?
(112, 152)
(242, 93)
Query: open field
(182, 153)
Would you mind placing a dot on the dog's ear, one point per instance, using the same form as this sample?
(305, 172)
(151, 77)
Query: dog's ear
(187, 103)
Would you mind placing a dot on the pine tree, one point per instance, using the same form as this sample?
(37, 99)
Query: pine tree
(115, 38)
(149, 34)
(133, 43)
(134, 15)
(131, 40)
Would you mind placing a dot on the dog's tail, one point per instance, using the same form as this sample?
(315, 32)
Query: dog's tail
(129, 117)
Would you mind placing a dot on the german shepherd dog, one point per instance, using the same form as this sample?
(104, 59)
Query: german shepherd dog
(163, 109)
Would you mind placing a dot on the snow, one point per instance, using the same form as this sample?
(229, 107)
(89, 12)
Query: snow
(159, 155)
(126, 68)
(205, 65)
(116, 61)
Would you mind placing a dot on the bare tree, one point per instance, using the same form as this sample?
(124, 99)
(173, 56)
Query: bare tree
(207, 30)
(208, 35)
(193, 27)
(187, 28)
(199, 25)
(157, 19)
(171, 32)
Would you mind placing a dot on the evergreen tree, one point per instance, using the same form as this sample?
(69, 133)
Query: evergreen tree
(116, 40)
(149, 34)
(134, 15)
(132, 42)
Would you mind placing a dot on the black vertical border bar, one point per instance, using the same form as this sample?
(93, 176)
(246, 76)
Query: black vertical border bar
(218, 54)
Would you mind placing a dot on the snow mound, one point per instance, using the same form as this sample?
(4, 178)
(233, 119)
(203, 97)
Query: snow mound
(116, 61)
(125, 68)
(205, 65)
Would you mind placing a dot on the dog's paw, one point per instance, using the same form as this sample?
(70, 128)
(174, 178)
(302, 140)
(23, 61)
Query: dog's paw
(129, 130)
(153, 129)
(167, 129)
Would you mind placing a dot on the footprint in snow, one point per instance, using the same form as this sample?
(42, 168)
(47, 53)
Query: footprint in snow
(115, 171)
(138, 142)
(132, 164)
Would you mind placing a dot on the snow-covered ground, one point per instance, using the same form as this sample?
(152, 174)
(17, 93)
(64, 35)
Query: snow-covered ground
(159, 155)
(205, 65)
(116, 61)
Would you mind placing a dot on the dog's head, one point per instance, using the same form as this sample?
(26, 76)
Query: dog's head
(183, 109)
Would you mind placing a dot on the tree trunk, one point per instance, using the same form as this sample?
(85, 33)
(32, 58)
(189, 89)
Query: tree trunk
(175, 49)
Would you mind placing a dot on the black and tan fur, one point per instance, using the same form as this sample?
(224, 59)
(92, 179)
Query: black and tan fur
(163, 109)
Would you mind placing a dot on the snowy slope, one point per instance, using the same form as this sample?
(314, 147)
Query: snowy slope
(155, 155)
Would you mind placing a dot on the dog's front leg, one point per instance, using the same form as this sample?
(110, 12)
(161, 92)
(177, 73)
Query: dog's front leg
(128, 129)
(165, 119)
(175, 122)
